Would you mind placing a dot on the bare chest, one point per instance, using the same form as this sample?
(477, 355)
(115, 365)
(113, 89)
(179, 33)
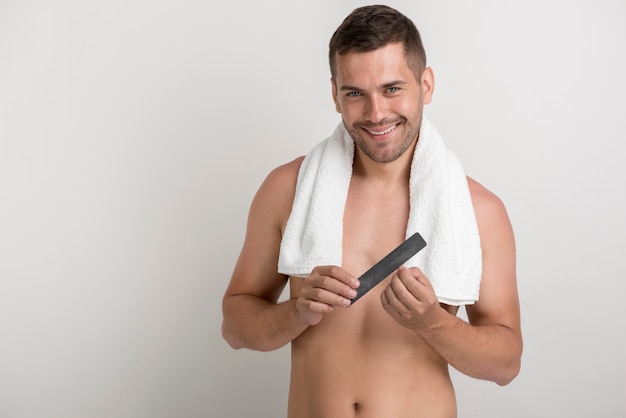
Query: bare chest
(374, 224)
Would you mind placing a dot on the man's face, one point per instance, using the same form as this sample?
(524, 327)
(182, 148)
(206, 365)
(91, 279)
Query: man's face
(380, 100)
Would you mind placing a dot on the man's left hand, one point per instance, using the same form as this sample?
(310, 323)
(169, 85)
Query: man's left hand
(411, 301)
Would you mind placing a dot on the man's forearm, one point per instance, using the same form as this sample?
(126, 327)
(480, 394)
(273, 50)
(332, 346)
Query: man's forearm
(489, 352)
(257, 324)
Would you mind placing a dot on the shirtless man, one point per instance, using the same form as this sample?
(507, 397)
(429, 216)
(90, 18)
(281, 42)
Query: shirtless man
(388, 355)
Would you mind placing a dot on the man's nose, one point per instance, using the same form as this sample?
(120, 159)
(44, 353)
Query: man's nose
(376, 109)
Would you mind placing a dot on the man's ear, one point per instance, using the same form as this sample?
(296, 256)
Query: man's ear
(334, 90)
(428, 84)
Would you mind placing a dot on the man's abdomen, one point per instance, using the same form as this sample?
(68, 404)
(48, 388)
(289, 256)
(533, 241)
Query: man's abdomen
(358, 362)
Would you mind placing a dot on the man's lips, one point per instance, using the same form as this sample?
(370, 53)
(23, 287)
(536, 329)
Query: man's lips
(379, 132)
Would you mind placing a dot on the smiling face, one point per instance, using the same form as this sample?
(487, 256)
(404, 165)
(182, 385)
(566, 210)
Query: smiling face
(380, 100)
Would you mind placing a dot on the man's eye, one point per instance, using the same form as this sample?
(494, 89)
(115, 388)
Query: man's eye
(354, 94)
(393, 89)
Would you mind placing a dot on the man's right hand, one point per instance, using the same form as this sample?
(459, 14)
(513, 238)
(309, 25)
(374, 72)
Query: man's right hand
(324, 289)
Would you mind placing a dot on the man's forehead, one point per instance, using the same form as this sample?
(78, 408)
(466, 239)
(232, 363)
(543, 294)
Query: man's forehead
(378, 68)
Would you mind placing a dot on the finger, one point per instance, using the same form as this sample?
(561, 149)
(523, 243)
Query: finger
(331, 285)
(402, 283)
(420, 286)
(386, 304)
(334, 279)
(326, 296)
(335, 286)
(420, 277)
(415, 283)
(314, 306)
(386, 300)
(392, 298)
(339, 274)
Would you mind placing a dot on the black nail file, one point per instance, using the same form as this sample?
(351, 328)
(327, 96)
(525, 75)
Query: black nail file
(389, 264)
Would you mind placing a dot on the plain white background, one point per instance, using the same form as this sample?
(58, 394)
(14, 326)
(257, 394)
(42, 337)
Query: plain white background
(134, 134)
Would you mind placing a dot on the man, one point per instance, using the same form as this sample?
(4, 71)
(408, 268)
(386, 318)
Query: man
(388, 354)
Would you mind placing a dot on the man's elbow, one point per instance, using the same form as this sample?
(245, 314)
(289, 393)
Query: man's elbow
(509, 374)
(230, 337)
(512, 369)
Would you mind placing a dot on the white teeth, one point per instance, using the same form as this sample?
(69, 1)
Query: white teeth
(383, 132)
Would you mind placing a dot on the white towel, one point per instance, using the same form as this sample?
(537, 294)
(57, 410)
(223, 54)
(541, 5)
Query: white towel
(440, 210)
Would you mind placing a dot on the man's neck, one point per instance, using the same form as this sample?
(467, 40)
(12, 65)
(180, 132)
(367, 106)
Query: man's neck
(391, 173)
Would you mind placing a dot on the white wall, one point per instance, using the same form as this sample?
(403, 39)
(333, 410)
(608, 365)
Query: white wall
(133, 135)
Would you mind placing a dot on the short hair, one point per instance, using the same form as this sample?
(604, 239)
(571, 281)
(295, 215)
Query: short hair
(371, 27)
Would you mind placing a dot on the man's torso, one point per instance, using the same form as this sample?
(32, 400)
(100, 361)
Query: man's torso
(358, 361)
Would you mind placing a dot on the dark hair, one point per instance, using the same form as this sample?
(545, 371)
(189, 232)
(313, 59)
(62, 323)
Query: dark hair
(371, 27)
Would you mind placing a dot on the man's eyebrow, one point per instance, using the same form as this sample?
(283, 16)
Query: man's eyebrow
(385, 86)
(349, 88)
(394, 83)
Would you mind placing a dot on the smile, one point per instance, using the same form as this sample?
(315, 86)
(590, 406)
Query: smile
(386, 131)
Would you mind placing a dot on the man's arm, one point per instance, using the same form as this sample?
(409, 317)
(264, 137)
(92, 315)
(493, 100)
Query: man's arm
(252, 317)
(490, 346)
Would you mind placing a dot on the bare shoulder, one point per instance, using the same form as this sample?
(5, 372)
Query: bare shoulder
(489, 209)
(484, 200)
(275, 196)
(286, 174)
